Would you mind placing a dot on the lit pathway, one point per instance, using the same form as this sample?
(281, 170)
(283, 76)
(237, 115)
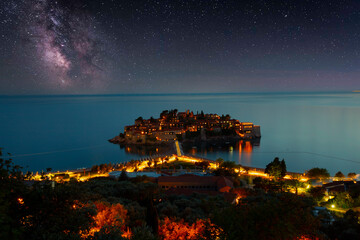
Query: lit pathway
(178, 149)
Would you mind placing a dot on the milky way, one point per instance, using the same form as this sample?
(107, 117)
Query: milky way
(67, 42)
(173, 46)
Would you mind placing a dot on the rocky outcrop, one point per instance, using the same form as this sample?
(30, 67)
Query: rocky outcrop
(117, 140)
(135, 141)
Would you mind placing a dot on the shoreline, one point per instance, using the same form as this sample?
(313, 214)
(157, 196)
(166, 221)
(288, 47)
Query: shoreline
(218, 139)
(86, 173)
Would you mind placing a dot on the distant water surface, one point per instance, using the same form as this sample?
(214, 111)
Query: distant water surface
(66, 132)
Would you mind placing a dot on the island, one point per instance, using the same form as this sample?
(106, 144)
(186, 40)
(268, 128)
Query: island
(186, 127)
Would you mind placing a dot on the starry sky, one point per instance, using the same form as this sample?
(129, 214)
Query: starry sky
(178, 46)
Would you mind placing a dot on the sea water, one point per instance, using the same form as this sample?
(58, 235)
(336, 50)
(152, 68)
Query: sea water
(68, 132)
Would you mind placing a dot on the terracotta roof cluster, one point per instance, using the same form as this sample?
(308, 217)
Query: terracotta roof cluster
(228, 196)
(219, 182)
(188, 184)
(183, 121)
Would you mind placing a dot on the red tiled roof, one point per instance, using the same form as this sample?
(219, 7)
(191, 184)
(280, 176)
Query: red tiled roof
(188, 192)
(224, 182)
(229, 197)
(188, 178)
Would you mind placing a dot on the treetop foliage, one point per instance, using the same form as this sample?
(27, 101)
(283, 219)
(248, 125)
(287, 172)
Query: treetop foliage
(339, 175)
(276, 169)
(136, 209)
(320, 173)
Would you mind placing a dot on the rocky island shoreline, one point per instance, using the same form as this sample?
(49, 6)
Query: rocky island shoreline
(186, 127)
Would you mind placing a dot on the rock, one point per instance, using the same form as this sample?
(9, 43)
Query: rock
(117, 140)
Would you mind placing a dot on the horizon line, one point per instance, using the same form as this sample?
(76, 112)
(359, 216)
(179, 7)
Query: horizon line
(172, 94)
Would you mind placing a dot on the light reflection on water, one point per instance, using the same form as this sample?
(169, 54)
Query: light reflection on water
(242, 148)
(306, 129)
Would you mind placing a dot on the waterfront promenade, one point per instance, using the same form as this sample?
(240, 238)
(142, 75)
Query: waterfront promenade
(153, 164)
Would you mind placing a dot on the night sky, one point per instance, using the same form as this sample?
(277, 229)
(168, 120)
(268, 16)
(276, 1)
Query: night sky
(120, 46)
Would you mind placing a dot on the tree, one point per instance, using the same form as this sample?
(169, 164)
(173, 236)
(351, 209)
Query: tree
(219, 161)
(344, 228)
(226, 168)
(95, 169)
(123, 176)
(339, 175)
(266, 185)
(152, 120)
(270, 216)
(172, 229)
(12, 191)
(143, 233)
(228, 165)
(276, 169)
(317, 193)
(296, 184)
(320, 173)
(56, 213)
(109, 215)
(351, 175)
(283, 168)
(110, 233)
(164, 113)
(203, 164)
(342, 200)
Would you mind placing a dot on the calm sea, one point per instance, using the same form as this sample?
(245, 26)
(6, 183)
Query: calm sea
(67, 132)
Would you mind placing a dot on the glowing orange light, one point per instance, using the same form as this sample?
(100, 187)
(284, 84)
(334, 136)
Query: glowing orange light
(20, 201)
(171, 229)
(248, 147)
(127, 234)
(258, 174)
